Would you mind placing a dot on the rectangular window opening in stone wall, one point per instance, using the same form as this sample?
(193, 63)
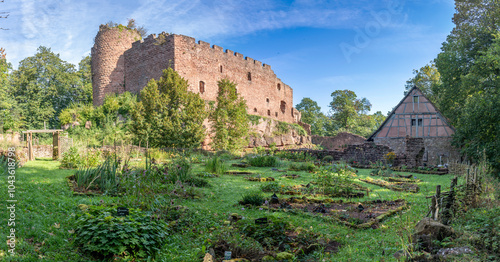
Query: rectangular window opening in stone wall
(279, 86)
(269, 112)
(267, 101)
(283, 106)
(276, 114)
(220, 68)
(249, 76)
(202, 87)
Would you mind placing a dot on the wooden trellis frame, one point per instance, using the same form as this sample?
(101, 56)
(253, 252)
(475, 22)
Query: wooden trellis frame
(56, 152)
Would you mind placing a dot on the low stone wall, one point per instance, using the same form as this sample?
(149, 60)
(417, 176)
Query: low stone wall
(339, 142)
(43, 151)
(436, 150)
(364, 154)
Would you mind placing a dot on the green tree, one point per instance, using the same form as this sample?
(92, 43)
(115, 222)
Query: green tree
(476, 23)
(85, 75)
(229, 118)
(43, 85)
(168, 115)
(311, 114)
(469, 78)
(478, 126)
(9, 113)
(346, 107)
(426, 79)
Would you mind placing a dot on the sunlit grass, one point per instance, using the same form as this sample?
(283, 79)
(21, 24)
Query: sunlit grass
(46, 207)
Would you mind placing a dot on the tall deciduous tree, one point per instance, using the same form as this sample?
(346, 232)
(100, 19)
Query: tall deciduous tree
(168, 115)
(9, 113)
(427, 79)
(229, 118)
(346, 107)
(469, 88)
(43, 85)
(311, 114)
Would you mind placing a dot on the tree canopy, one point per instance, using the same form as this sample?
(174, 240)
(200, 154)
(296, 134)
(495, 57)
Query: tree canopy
(229, 118)
(168, 115)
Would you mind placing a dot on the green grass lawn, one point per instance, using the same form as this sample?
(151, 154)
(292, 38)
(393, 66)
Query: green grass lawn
(46, 207)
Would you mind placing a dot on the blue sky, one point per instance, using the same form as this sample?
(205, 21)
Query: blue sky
(316, 47)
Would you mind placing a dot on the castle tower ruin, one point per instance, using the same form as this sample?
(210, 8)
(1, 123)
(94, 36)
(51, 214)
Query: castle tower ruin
(108, 61)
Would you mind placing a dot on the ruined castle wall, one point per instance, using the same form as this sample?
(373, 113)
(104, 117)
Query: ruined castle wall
(146, 60)
(266, 95)
(436, 149)
(120, 62)
(108, 61)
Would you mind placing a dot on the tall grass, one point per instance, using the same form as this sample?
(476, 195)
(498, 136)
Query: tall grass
(103, 177)
(215, 165)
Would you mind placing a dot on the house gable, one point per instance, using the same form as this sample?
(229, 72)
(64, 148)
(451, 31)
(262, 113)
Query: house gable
(414, 116)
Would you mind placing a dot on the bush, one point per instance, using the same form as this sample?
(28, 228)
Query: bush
(274, 187)
(334, 180)
(295, 156)
(103, 234)
(272, 234)
(263, 161)
(328, 159)
(215, 165)
(254, 199)
(71, 158)
(309, 167)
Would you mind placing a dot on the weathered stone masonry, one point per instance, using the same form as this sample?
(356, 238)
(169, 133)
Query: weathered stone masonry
(120, 62)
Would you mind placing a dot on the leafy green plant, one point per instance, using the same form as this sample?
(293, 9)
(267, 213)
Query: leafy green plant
(295, 156)
(273, 234)
(215, 165)
(102, 233)
(71, 158)
(307, 166)
(254, 199)
(327, 159)
(333, 180)
(274, 187)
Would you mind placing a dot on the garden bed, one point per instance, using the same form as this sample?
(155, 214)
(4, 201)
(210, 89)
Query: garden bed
(395, 186)
(357, 215)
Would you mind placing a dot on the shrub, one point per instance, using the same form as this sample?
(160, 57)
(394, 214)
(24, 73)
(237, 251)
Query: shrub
(308, 166)
(272, 234)
(180, 168)
(295, 156)
(332, 180)
(138, 235)
(328, 159)
(274, 187)
(71, 158)
(254, 199)
(215, 165)
(263, 161)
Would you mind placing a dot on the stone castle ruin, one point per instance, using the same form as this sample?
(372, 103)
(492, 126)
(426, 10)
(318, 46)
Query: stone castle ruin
(122, 62)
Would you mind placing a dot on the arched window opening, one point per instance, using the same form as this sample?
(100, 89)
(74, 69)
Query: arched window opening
(255, 110)
(202, 87)
(267, 101)
(283, 106)
(269, 112)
